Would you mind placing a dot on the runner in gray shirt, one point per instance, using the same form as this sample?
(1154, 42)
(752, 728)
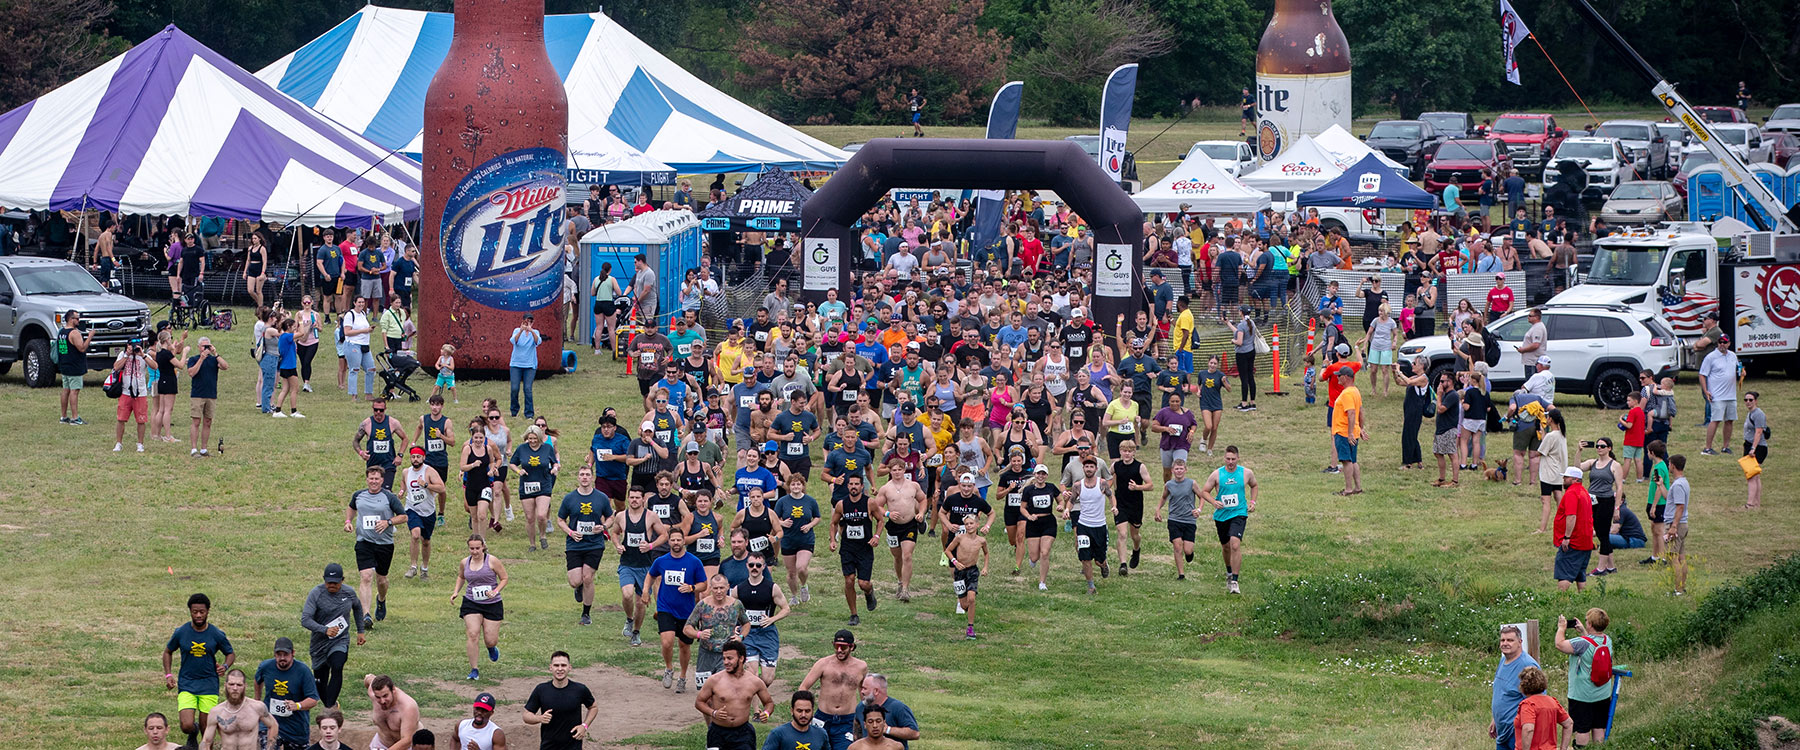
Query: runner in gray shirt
(330, 611)
(1179, 496)
(371, 514)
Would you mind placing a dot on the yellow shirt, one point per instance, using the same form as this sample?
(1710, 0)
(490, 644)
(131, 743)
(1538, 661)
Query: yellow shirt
(1184, 330)
(1125, 410)
(730, 361)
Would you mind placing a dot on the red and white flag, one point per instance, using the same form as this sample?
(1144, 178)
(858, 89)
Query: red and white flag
(1512, 32)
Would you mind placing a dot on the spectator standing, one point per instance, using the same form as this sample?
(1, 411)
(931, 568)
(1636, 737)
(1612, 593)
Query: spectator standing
(1553, 460)
(1676, 521)
(203, 390)
(522, 367)
(1718, 378)
(1756, 445)
(643, 287)
(1417, 404)
(1590, 699)
(1243, 339)
(1574, 532)
(1504, 706)
(71, 363)
(133, 372)
(1515, 193)
(1347, 425)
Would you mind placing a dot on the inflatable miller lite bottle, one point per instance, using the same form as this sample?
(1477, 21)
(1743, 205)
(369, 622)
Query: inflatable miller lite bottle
(1302, 76)
(495, 153)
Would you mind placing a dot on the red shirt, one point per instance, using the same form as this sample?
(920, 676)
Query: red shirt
(1576, 502)
(1500, 299)
(1544, 715)
(348, 248)
(1031, 251)
(1331, 381)
(1634, 428)
(642, 208)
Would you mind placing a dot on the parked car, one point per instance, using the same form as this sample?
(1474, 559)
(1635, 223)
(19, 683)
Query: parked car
(1745, 138)
(1785, 119)
(1722, 114)
(1648, 149)
(1677, 136)
(1692, 158)
(1643, 202)
(1529, 138)
(854, 147)
(1451, 124)
(1234, 157)
(1128, 173)
(34, 295)
(1409, 142)
(1594, 350)
(1603, 159)
(1461, 162)
(1783, 148)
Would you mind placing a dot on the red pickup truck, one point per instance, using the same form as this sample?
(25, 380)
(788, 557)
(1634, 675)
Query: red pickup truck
(1529, 139)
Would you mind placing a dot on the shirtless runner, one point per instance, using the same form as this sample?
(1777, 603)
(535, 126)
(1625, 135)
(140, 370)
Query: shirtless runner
(156, 733)
(904, 500)
(235, 719)
(395, 714)
(839, 679)
(725, 702)
(875, 723)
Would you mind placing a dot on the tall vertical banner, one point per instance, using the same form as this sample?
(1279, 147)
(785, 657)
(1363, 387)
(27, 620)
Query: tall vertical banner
(1512, 32)
(822, 264)
(1003, 124)
(1115, 118)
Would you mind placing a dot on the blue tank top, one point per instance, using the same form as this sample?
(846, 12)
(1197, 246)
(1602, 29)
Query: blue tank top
(1231, 494)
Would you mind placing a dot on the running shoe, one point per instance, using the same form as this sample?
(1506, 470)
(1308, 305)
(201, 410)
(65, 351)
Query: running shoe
(1330, 470)
(1597, 572)
(412, 572)
(668, 678)
(869, 599)
(805, 593)
(380, 609)
(1181, 577)
(1104, 568)
(509, 513)
(62, 420)
(855, 621)
(944, 560)
(425, 573)
(493, 653)
(636, 639)
(118, 447)
(1231, 588)
(1647, 561)
(278, 415)
(626, 631)
(78, 421)
(306, 388)
(1124, 571)
(681, 686)
(585, 620)
(474, 674)
(959, 608)
(577, 593)
(1709, 452)
(532, 545)
(1134, 557)
(1090, 588)
(1043, 586)
(368, 623)
(140, 447)
(296, 415)
(969, 634)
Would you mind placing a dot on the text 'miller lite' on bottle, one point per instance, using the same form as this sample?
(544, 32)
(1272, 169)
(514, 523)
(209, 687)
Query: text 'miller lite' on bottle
(495, 155)
(1302, 76)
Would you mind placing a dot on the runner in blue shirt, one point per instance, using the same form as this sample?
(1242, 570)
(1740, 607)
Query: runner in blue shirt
(677, 579)
(800, 733)
(289, 692)
(197, 682)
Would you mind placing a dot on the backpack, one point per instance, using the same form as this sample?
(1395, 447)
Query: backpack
(1600, 671)
(1490, 349)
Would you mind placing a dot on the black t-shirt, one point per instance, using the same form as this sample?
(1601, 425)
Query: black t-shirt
(190, 262)
(1446, 419)
(567, 706)
(1372, 304)
(1013, 495)
(165, 370)
(1040, 500)
(205, 382)
(973, 355)
(1475, 404)
(958, 505)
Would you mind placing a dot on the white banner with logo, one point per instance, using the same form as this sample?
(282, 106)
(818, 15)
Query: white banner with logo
(822, 265)
(1113, 270)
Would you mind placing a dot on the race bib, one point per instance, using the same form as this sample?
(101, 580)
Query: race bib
(796, 449)
(487, 493)
(435, 445)
(279, 708)
(1041, 502)
(663, 511)
(340, 623)
(480, 592)
(685, 349)
(934, 461)
(634, 539)
(1177, 429)
(961, 588)
(1083, 541)
(856, 532)
(382, 446)
(584, 527)
(1229, 500)
(756, 616)
(605, 452)
(529, 488)
(1012, 500)
(706, 545)
(893, 541)
(648, 358)
(758, 544)
(1076, 351)
(674, 577)
(746, 402)
(1127, 428)
(762, 335)
(369, 522)
(416, 493)
(848, 396)
(665, 436)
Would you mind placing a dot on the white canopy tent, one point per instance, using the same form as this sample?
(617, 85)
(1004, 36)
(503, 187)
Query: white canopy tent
(1199, 184)
(1301, 168)
(1348, 149)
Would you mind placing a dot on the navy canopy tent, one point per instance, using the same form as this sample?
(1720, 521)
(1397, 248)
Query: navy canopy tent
(1369, 184)
(770, 204)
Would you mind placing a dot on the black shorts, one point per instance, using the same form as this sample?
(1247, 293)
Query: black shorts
(492, 611)
(584, 558)
(1589, 715)
(800, 466)
(372, 556)
(1228, 294)
(1011, 515)
(1042, 527)
(1129, 512)
(1657, 513)
(668, 623)
(605, 307)
(1182, 531)
(1229, 529)
(286, 372)
(904, 532)
(1143, 405)
(965, 581)
(740, 737)
(857, 558)
(794, 549)
(1090, 543)
(1546, 488)
(1762, 451)
(501, 477)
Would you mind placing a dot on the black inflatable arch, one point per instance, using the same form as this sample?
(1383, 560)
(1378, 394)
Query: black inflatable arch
(956, 164)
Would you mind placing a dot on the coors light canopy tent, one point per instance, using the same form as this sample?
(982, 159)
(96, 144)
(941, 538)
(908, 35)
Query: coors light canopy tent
(371, 72)
(1203, 188)
(171, 127)
(1303, 167)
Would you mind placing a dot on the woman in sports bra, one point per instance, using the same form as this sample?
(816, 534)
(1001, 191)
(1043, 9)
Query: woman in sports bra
(1100, 374)
(758, 525)
(694, 477)
(1021, 433)
(478, 464)
(256, 263)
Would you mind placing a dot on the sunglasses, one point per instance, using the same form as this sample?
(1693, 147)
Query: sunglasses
(380, 410)
(494, 419)
(754, 566)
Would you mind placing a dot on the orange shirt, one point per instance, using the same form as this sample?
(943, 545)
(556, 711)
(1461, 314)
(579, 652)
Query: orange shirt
(1544, 714)
(1341, 423)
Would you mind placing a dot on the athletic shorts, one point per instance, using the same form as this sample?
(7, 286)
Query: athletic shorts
(857, 559)
(1010, 515)
(613, 489)
(1129, 512)
(72, 382)
(1346, 450)
(707, 662)
(446, 380)
(763, 645)
(372, 556)
(966, 580)
(840, 730)
(1571, 564)
(1042, 527)
(1590, 715)
(1631, 452)
(1143, 406)
(139, 406)
(1183, 531)
(668, 623)
(1090, 543)
(1678, 545)
(424, 522)
(288, 372)
(800, 466)
(904, 532)
(1657, 513)
(333, 286)
(1172, 457)
(491, 611)
(1525, 438)
(1724, 410)
(1230, 528)
(605, 307)
(740, 737)
(794, 549)
(630, 576)
(584, 558)
(185, 700)
(1762, 451)
(1546, 489)
(369, 288)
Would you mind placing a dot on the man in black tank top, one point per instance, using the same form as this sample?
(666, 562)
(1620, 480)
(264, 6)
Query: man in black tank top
(853, 527)
(436, 438)
(764, 604)
(379, 441)
(639, 531)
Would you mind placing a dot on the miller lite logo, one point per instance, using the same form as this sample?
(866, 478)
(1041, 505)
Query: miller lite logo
(502, 230)
(1369, 183)
(1112, 151)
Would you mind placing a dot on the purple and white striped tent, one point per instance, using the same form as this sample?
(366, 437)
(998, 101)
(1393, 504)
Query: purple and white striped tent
(171, 127)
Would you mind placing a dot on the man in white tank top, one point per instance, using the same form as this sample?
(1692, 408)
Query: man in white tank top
(479, 730)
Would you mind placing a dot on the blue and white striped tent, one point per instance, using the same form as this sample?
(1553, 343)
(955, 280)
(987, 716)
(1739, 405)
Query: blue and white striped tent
(171, 127)
(371, 72)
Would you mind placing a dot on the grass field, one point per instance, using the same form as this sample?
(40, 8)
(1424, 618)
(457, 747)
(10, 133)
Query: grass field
(1364, 622)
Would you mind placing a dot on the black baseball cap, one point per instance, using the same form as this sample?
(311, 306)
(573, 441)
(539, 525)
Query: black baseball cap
(845, 637)
(334, 573)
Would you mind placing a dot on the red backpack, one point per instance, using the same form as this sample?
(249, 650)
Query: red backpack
(1600, 671)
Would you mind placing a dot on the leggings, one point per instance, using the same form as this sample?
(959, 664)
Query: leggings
(306, 352)
(1246, 367)
(329, 674)
(1603, 513)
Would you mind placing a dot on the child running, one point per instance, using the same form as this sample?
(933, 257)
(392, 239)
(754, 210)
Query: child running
(966, 549)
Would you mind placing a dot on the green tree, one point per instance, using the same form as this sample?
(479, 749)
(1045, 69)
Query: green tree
(1078, 43)
(1421, 56)
(47, 43)
(1214, 55)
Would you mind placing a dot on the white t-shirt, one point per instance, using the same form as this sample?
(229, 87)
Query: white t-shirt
(354, 320)
(1720, 369)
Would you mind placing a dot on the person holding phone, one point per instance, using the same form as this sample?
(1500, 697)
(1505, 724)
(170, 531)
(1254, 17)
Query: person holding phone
(522, 367)
(203, 390)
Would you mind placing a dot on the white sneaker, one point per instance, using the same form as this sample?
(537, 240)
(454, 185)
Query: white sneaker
(278, 415)
(297, 415)
(193, 451)
(1042, 586)
(959, 609)
(118, 447)
(509, 513)
(306, 388)
(140, 447)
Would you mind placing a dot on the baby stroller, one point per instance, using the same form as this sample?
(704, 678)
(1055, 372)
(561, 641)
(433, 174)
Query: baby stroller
(396, 367)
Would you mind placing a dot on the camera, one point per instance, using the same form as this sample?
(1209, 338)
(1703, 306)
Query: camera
(1572, 622)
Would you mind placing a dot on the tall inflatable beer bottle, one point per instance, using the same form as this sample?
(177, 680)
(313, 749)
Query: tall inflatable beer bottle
(1302, 76)
(495, 150)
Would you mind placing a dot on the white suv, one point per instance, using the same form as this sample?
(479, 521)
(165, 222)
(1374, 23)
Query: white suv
(1596, 350)
(1603, 159)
